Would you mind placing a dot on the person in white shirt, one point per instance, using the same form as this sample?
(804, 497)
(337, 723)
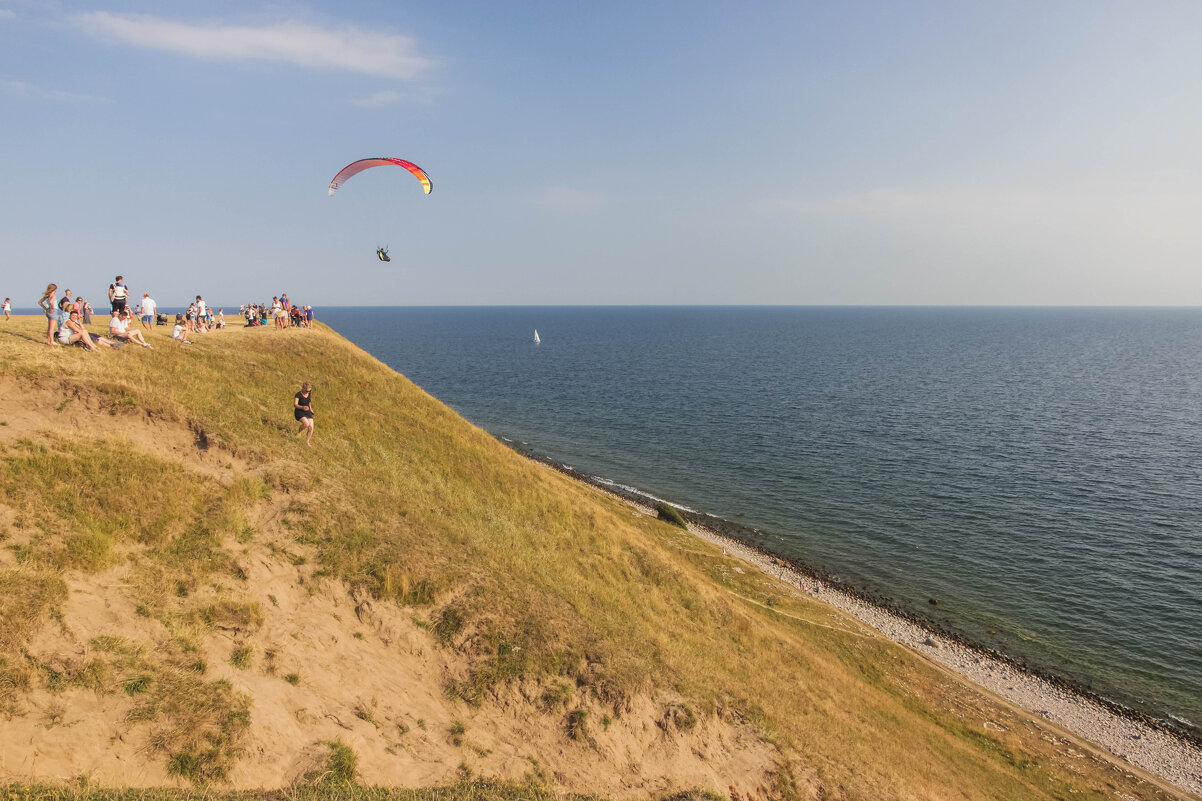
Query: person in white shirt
(119, 330)
(278, 315)
(147, 311)
(179, 332)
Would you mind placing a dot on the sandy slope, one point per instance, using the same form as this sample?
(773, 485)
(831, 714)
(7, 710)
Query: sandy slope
(368, 675)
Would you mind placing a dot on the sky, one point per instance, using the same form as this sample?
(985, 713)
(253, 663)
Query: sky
(851, 153)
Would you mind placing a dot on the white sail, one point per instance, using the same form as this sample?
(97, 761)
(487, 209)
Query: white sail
(536, 339)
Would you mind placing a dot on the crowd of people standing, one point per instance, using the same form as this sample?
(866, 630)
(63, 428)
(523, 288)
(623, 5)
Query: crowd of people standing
(67, 317)
(282, 313)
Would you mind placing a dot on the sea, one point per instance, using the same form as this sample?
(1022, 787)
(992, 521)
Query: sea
(1036, 471)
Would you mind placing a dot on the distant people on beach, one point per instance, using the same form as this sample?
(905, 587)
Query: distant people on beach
(302, 409)
(49, 307)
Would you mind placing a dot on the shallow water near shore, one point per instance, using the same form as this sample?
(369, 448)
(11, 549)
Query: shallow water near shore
(1035, 470)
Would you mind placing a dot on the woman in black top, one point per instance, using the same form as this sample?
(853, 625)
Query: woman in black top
(302, 409)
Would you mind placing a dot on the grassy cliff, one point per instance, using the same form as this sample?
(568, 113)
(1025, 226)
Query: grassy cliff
(190, 597)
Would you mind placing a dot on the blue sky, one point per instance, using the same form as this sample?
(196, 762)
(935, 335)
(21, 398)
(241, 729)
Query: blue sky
(581, 153)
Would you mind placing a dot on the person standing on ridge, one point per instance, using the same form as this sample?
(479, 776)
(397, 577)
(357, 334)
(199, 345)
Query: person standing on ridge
(118, 294)
(47, 305)
(147, 311)
(8, 307)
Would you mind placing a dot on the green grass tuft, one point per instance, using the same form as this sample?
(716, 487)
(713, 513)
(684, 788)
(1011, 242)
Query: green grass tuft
(456, 732)
(670, 514)
(241, 656)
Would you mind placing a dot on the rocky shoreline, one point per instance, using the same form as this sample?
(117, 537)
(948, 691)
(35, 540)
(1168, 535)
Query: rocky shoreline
(1146, 743)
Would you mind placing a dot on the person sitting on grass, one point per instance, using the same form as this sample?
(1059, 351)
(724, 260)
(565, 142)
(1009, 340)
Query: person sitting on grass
(179, 332)
(73, 333)
(120, 331)
(64, 309)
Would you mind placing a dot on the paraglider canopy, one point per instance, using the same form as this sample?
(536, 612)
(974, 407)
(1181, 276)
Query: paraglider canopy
(356, 167)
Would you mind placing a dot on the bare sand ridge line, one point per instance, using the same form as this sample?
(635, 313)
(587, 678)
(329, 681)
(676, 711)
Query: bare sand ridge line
(73, 410)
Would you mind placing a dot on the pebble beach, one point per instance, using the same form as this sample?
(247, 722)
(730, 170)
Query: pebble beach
(1157, 752)
(1153, 750)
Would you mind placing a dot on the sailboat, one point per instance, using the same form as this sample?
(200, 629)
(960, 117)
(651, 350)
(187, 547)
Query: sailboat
(536, 339)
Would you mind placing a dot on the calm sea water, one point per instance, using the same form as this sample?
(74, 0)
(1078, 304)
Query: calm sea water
(1039, 471)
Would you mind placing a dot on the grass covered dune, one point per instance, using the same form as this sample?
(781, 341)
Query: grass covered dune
(194, 601)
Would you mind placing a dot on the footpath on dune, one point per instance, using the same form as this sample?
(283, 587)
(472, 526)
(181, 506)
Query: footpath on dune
(190, 596)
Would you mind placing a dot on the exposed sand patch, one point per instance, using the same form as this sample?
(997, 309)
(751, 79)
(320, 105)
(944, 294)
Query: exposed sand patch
(381, 694)
(324, 666)
(67, 410)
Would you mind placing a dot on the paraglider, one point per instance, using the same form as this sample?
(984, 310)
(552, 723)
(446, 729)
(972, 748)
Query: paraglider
(356, 167)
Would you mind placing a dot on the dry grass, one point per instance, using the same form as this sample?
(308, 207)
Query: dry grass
(526, 573)
(463, 790)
